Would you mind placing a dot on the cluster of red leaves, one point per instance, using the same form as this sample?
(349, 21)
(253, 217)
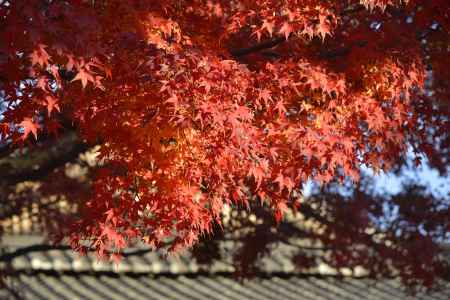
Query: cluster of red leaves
(186, 125)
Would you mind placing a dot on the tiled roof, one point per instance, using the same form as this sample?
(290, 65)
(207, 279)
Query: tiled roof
(138, 261)
(147, 263)
(62, 274)
(101, 286)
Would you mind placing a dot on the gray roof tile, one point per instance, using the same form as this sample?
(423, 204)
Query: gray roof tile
(95, 286)
(59, 274)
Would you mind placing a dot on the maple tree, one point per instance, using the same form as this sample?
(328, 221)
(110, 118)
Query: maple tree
(198, 104)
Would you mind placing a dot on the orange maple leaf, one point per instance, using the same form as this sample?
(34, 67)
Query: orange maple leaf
(39, 56)
(29, 126)
(286, 29)
(268, 26)
(51, 103)
(84, 77)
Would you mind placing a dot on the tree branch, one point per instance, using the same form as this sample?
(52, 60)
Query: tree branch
(267, 44)
(40, 162)
(260, 46)
(8, 257)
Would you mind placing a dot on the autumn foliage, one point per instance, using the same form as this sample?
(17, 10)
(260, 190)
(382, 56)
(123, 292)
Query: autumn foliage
(199, 103)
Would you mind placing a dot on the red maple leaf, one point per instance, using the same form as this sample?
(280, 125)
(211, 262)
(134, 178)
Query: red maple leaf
(323, 28)
(4, 130)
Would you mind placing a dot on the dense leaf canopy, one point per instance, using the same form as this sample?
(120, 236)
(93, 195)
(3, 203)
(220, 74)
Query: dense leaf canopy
(197, 104)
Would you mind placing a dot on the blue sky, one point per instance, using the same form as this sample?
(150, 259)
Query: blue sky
(389, 183)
